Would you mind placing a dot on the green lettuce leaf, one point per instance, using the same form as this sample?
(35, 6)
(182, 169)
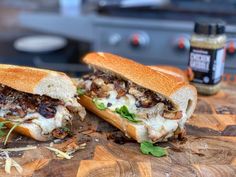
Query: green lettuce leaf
(80, 91)
(148, 148)
(1, 125)
(124, 112)
(99, 105)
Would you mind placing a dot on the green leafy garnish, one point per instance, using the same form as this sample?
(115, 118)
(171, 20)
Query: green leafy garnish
(2, 125)
(148, 148)
(99, 105)
(67, 130)
(80, 91)
(124, 112)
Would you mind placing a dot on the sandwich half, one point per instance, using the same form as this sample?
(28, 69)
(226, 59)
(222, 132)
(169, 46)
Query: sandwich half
(145, 104)
(41, 102)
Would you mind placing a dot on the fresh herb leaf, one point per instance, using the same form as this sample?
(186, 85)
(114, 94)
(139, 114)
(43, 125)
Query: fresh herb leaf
(99, 105)
(80, 91)
(2, 125)
(148, 148)
(67, 130)
(124, 112)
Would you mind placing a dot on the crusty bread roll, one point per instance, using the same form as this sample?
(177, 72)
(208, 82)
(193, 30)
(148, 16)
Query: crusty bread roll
(172, 88)
(41, 82)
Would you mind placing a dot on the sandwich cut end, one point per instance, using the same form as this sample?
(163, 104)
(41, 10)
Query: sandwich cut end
(56, 86)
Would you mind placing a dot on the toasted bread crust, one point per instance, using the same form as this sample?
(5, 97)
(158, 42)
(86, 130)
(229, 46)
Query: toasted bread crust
(135, 72)
(114, 119)
(172, 71)
(24, 79)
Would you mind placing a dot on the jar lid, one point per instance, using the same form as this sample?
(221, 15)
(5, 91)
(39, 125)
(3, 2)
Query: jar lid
(209, 27)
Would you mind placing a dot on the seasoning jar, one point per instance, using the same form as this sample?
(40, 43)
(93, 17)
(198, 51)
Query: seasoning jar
(207, 55)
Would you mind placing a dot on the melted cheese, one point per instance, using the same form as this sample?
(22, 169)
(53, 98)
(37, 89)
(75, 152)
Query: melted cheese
(47, 125)
(157, 126)
(127, 100)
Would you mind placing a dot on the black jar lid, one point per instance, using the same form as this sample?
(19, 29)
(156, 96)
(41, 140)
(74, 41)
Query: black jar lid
(209, 27)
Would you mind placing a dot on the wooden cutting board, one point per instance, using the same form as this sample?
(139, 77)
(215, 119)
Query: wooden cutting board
(209, 148)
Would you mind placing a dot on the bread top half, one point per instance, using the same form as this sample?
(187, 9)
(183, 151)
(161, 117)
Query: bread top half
(137, 73)
(37, 81)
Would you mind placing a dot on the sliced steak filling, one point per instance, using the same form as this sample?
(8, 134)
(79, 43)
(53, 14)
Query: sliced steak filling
(98, 84)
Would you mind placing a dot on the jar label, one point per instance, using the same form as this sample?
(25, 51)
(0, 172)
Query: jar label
(207, 65)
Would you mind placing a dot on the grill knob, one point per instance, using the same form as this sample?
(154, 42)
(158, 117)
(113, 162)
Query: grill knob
(182, 43)
(138, 40)
(114, 39)
(231, 47)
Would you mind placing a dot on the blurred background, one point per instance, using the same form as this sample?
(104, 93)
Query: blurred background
(55, 34)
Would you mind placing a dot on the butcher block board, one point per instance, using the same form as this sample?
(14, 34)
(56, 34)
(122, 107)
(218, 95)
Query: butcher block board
(209, 148)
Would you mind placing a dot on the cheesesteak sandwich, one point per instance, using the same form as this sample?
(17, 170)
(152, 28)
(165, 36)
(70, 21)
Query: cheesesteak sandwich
(145, 104)
(40, 101)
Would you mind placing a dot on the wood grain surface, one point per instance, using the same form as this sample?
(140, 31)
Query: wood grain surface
(209, 148)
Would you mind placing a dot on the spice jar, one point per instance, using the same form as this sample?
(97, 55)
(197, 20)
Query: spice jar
(207, 55)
